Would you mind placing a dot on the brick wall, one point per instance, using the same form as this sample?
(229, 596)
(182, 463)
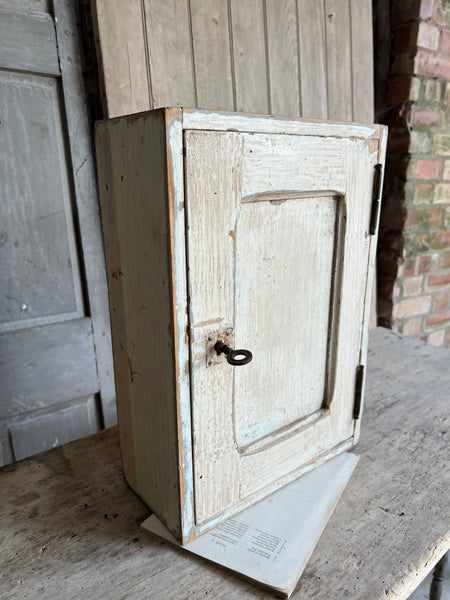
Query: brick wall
(414, 245)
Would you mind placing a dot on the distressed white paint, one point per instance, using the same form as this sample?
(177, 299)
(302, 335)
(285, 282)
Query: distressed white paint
(274, 185)
(179, 282)
(222, 121)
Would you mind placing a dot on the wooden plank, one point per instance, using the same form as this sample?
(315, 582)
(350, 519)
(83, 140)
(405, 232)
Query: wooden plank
(133, 190)
(40, 276)
(213, 120)
(211, 287)
(170, 53)
(339, 66)
(282, 51)
(249, 56)
(313, 67)
(122, 55)
(41, 430)
(362, 60)
(42, 366)
(85, 188)
(69, 520)
(212, 54)
(27, 41)
(263, 164)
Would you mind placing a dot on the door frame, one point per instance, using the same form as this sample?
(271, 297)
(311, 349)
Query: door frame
(178, 120)
(87, 217)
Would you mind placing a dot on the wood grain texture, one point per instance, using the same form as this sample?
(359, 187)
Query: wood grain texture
(282, 52)
(81, 151)
(338, 56)
(362, 61)
(214, 120)
(212, 56)
(318, 62)
(69, 511)
(122, 55)
(27, 41)
(168, 34)
(217, 205)
(313, 57)
(211, 207)
(249, 58)
(42, 366)
(133, 190)
(40, 276)
(41, 430)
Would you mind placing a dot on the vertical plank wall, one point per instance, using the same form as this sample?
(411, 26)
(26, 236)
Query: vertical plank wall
(309, 58)
(306, 58)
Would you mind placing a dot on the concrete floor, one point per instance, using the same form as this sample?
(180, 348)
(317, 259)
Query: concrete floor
(423, 591)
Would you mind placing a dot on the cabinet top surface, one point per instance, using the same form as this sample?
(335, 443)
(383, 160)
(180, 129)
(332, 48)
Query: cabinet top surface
(194, 118)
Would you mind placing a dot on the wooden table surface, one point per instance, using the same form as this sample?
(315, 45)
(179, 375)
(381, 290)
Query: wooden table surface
(69, 525)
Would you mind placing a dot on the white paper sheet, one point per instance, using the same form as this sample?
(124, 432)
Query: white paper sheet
(271, 541)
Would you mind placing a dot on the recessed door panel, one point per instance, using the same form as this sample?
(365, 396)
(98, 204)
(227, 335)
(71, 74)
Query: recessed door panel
(284, 274)
(277, 264)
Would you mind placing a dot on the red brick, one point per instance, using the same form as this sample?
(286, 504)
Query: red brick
(445, 47)
(442, 194)
(438, 13)
(423, 193)
(412, 307)
(444, 260)
(436, 338)
(426, 169)
(412, 286)
(412, 327)
(424, 218)
(430, 63)
(425, 264)
(426, 9)
(447, 338)
(441, 302)
(409, 266)
(428, 36)
(441, 240)
(425, 116)
(440, 317)
(446, 174)
(438, 280)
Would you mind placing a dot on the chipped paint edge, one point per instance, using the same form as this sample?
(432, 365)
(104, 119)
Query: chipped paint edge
(273, 487)
(381, 157)
(241, 122)
(176, 209)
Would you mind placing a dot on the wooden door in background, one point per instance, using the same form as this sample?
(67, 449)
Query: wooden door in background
(55, 357)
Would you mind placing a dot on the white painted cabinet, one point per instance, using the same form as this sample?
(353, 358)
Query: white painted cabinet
(257, 232)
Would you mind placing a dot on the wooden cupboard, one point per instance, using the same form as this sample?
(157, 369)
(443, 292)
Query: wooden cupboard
(258, 232)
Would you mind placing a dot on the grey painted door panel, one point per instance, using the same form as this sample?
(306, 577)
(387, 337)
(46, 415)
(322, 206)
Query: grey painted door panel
(41, 366)
(55, 357)
(28, 42)
(39, 273)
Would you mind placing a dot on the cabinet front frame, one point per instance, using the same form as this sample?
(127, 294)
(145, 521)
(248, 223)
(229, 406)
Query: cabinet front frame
(178, 120)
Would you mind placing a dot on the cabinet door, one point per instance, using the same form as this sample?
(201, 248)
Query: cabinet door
(278, 245)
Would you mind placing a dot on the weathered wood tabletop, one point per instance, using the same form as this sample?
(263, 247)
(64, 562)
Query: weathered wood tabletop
(69, 525)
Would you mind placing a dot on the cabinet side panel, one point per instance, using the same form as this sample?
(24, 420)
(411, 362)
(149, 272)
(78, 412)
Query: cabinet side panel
(133, 191)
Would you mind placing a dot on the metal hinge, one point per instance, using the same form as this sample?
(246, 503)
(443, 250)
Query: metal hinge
(376, 199)
(359, 383)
